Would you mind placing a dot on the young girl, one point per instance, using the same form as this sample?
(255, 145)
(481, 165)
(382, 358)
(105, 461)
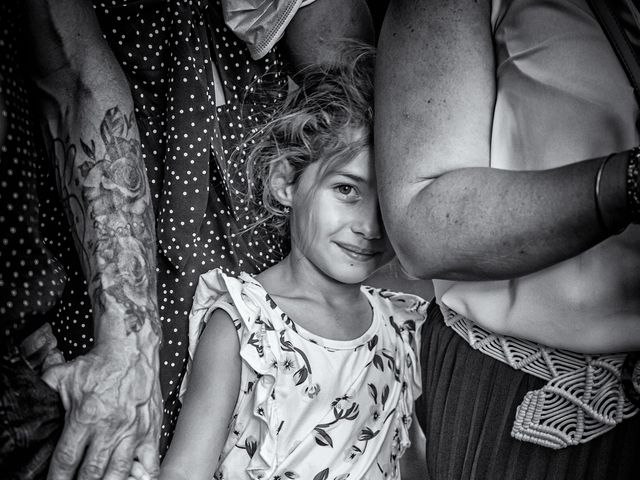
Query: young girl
(302, 372)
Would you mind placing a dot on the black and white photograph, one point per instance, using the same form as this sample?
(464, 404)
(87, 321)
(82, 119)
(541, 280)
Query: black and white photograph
(320, 239)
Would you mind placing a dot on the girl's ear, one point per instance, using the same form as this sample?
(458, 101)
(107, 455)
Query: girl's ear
(281, 182)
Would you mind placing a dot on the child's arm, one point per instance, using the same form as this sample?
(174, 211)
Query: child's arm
(413, 463)
(208, 403)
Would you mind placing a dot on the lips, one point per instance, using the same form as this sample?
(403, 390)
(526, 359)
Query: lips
(358, 253)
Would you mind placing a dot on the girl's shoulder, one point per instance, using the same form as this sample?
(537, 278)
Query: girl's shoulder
(243, 299)
(401, 305)
(402, 314)
(241, 296)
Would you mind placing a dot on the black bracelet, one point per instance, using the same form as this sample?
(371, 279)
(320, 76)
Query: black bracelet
(633, 184)
(599, 212)
(603, 224)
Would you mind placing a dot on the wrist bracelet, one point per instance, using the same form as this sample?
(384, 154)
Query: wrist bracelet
(601, 221)
(601, 217)
(633, 185)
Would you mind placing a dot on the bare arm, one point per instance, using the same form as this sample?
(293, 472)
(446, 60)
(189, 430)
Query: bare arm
(112, 394)
(447, 214)
(211, 396)
(413, 463)
(314, 33)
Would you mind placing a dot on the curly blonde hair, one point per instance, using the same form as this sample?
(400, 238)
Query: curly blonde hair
(317, 122)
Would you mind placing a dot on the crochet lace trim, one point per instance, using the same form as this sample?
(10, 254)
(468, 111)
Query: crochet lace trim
(582, 399)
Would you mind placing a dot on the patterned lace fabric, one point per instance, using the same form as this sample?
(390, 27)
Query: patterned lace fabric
(582, 399)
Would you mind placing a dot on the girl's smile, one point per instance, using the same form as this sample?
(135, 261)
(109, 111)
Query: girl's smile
(362, 254)
(335, 221)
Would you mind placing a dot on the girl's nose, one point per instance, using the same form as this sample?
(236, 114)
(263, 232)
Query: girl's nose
(368, 222)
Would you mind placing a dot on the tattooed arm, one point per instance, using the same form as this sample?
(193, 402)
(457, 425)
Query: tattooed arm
(112, 394)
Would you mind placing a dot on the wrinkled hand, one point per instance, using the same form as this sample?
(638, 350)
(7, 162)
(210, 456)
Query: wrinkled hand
(113, 403)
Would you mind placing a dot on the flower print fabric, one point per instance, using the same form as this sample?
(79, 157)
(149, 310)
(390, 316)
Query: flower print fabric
(310, 407)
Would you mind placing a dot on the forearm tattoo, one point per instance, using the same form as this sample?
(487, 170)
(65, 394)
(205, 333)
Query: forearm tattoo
(105, 191)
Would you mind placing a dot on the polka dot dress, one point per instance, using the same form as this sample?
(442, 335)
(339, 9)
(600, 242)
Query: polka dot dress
(168, 50)
(31, 280)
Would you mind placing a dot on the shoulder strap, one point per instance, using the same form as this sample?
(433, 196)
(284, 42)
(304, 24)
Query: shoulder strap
(620, 20)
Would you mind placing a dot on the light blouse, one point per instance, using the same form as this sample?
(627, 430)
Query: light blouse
(310, 407)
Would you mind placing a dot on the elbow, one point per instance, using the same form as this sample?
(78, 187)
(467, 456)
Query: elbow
(412, 260)
(423, 236)
(407, 239)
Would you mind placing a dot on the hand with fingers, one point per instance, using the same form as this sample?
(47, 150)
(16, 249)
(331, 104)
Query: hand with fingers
(113, 403)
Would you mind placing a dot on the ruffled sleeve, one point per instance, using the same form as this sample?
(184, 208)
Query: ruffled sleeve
(212, 292)
(259, 333)
(406, 314)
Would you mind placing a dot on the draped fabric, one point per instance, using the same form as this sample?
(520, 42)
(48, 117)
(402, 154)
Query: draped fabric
(258, 23)
(31, 279)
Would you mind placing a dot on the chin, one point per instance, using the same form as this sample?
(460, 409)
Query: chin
(352, 276)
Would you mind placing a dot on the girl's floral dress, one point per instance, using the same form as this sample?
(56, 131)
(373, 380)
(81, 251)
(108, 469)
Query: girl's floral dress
(311, 408)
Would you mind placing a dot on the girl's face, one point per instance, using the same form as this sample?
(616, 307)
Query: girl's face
(336, 223)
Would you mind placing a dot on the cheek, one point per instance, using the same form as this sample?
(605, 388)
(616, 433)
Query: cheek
(331, 218)
(305, 226)
(322, 213)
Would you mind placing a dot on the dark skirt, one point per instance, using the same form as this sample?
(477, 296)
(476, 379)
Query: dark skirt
(467, 411)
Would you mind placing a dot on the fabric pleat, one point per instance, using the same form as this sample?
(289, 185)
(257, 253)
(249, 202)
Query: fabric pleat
(467, 411)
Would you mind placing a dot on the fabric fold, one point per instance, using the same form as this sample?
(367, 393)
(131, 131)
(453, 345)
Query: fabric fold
(258, 338)
(258, 23)
(414, 310)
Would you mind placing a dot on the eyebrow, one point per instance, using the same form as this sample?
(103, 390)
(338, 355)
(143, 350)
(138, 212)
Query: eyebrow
(355, 178)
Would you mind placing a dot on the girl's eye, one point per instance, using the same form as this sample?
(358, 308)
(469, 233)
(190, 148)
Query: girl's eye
(345, 189)
(348, 192)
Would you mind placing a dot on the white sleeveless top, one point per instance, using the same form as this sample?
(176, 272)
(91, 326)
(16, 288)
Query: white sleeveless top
(309, 407)
(562, 96)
